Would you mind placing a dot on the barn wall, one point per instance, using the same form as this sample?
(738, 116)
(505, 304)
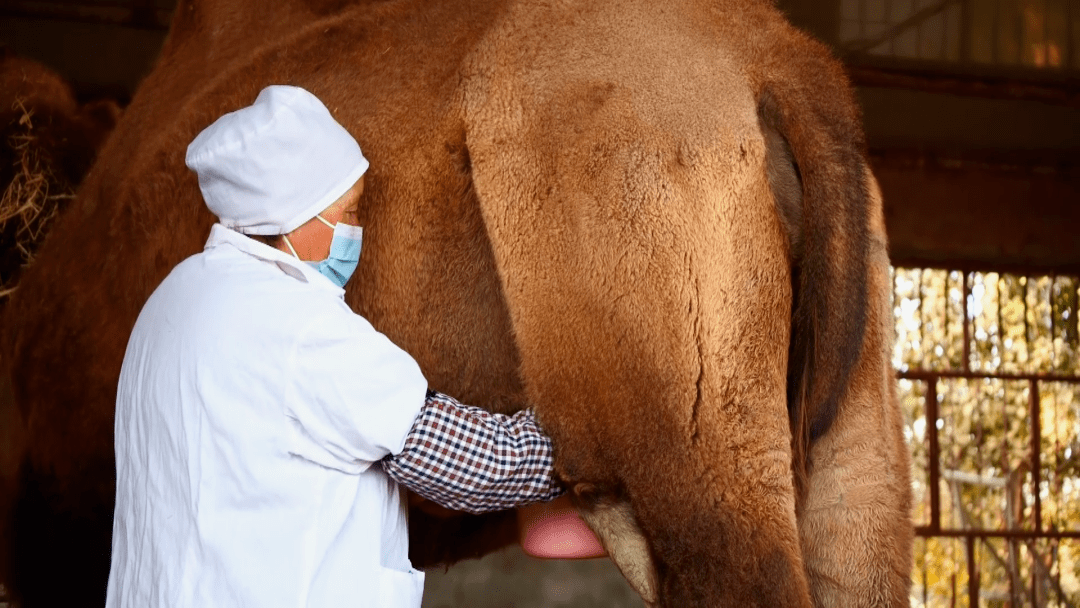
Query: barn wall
(946, 203)
(979, 164)
(943, 212)
(99, 59)
(976, 182)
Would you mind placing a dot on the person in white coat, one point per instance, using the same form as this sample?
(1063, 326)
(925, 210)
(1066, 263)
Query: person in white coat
(263, 429)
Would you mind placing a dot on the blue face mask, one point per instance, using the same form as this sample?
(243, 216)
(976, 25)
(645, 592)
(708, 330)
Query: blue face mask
(344, 252)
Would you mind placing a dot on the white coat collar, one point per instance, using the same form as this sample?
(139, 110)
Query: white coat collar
(288, 264)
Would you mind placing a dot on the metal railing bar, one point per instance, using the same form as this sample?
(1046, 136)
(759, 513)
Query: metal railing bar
(1023, 42)
(967, 321)
(1073, 53)
(966, 52)
(1072, 328)
(986, 161)
(995, 34)
(1046, 30)
(1006, 453)
(927, 531)
(1034, 408)
(999, 335)
(927, 375)
(973, 574)
(1053, 324)
(1026, 285)
(934, 455)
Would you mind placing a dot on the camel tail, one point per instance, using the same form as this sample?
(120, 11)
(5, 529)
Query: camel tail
(828, 225)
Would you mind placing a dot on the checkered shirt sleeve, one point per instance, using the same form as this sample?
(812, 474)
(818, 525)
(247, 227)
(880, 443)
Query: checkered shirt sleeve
(468, 459)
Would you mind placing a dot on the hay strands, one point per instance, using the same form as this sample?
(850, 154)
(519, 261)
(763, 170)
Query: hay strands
(27, 199)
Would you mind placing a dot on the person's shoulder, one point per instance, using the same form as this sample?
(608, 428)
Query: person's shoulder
(331, 316)
(183, 278)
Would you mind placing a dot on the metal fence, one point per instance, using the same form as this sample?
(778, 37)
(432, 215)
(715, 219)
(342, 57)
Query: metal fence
(990, 384)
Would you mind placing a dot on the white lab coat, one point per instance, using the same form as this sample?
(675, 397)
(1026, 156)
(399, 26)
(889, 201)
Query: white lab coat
(251, 407)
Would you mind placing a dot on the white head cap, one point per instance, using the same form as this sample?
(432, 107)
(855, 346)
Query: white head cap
(270, 167)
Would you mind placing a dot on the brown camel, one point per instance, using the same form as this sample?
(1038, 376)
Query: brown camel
(652, 221)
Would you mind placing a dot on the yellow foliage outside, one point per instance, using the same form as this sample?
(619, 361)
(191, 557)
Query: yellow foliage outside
(1020, 341)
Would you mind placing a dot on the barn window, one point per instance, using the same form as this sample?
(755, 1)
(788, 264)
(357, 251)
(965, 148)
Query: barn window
(989, 367)
(1038, 34)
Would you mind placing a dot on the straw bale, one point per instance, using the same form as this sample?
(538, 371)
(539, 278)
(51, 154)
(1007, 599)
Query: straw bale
(47, 144)
(30, 200)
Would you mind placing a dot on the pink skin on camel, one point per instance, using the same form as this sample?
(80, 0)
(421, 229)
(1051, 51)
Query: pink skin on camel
(554, 530)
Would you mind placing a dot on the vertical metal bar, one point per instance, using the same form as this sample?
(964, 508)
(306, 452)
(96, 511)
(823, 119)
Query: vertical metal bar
(966, 25)
(922, 31)
(892, 51)
(1005, 451)
(1072, 53)
(1000, 320)
(1020, 31)
(1046, 33)
(1053, 324)
(922, 320)
(973, 574)
(1072, 328)
(943, 55)
(995, 34)
(1027, 326)
(861, 4)
(945, 364)
(967, 331)
(915, 6)
(1035, 574)
(1034, 407)
(935, 453)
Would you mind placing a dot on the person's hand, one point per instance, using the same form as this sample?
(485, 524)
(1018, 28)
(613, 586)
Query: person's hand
(555, 530)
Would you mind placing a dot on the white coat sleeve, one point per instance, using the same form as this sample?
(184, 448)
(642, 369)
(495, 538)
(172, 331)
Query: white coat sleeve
(354, 396)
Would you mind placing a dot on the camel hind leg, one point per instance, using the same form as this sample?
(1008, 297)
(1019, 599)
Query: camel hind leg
(855, 525)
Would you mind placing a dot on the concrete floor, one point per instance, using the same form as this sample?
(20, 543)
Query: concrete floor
(511, 579)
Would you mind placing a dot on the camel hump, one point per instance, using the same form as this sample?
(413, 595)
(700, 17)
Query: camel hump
(808, 103)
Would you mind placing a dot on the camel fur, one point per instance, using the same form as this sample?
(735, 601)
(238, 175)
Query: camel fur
(654, 222)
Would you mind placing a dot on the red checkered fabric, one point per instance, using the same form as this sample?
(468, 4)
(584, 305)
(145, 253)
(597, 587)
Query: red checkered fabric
(468, 459)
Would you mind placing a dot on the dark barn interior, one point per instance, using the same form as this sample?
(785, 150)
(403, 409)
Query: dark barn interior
(972, 116)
